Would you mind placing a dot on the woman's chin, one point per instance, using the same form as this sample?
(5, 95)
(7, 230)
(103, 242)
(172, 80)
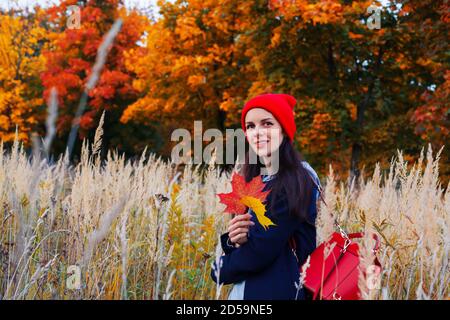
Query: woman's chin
(263, 152)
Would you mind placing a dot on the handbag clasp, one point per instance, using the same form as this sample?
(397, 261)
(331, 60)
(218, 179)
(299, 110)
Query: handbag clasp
(346, 244)
(336, 296)
(345, 236)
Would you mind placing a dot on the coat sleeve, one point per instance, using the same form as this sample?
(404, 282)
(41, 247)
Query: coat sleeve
(226, 247)
(262, 247)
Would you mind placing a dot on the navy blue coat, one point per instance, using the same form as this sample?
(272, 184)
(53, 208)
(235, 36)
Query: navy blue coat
(266, 261)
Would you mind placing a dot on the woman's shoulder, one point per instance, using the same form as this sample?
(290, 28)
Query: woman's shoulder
(316, 190)
(311, 171)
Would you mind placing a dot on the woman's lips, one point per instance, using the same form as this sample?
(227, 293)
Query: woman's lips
(261, 143)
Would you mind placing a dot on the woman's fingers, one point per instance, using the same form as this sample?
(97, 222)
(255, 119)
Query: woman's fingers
(238, 231)
(243, 239)
(240, 224)
(238, 228)
(240, 221)
(239, 238)
(240, 217)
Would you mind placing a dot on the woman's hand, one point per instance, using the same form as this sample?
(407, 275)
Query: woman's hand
(238, 228)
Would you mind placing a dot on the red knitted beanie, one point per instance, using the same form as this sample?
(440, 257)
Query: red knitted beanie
(280, 105)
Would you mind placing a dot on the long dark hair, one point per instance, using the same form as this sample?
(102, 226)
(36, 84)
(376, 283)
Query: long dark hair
(292, 180)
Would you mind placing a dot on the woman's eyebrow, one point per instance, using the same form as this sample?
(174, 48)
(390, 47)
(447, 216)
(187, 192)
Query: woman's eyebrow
(251, 122)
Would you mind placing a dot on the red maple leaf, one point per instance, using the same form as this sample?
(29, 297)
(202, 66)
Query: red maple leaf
(241, 189)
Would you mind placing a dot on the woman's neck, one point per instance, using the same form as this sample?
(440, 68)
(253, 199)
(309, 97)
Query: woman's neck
(268, 165)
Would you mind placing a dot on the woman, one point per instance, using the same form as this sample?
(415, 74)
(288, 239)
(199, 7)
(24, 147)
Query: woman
(260, 263)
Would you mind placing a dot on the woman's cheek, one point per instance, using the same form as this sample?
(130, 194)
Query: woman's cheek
(251, 139)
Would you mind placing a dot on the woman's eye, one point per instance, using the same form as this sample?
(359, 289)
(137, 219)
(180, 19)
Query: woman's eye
(268, 124)
(249, 126)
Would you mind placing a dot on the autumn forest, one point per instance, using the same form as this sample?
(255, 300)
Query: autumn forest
(115, 218)
(363, 93)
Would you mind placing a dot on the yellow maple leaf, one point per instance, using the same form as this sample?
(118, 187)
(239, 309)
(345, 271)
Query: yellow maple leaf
(260, 209)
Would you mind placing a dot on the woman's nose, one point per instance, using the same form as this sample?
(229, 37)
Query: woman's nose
(260, 132)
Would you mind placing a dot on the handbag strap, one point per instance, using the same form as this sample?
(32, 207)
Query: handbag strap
(361, 234)
(319, 188)
(354, 235)
(336, 223)
(344, 234)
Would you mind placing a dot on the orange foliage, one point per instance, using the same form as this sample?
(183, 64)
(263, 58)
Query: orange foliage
(72, 56)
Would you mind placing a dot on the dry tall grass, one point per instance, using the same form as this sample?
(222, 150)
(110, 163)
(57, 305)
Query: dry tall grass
(148, 229)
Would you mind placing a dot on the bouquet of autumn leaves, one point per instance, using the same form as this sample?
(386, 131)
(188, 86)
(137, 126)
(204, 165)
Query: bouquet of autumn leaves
(247, 194)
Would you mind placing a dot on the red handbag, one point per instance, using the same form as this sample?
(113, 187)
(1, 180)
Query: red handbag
(336, 276)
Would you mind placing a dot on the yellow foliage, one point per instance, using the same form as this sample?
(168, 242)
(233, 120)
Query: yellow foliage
(20, 67)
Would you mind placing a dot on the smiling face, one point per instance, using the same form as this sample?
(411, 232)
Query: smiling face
(264, 133)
